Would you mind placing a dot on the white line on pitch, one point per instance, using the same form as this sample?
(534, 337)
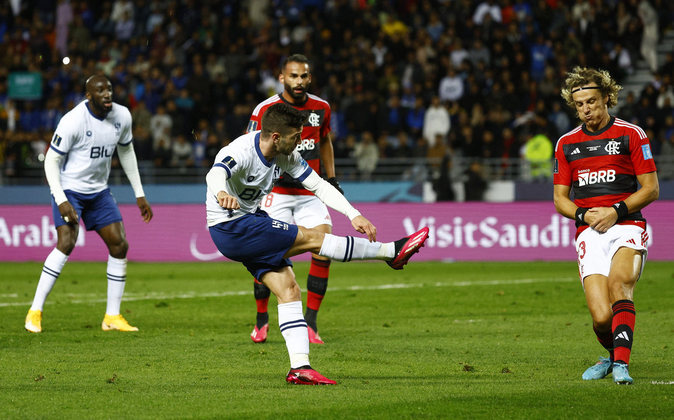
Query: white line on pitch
(77, 298)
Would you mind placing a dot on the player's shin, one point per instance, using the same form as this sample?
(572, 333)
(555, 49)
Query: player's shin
(350, 248)
(50, 272)
(116, 281)
(294, 331)
(624, 316)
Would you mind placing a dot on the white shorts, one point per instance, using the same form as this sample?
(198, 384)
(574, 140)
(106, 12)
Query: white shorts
(302, 210)
(596, 250)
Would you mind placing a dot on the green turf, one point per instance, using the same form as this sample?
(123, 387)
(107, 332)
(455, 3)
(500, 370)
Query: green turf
(462, 340)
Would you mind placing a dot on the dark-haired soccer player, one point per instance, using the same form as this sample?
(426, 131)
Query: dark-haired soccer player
(289, 201)
(243, 172)
(604, 161)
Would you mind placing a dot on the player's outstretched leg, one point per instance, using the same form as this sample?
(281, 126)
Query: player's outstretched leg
(396, 254)
(599, 370)
(406, 247)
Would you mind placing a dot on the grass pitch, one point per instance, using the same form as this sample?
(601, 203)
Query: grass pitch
(436, 340)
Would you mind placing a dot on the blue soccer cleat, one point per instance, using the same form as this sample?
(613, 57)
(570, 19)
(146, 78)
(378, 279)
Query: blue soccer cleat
(620, 374)
(599, 370)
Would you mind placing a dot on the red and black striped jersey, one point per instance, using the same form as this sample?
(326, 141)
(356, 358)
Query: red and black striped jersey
(317, 127)
(602, 167)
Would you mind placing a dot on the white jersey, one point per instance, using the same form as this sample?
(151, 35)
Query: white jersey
(88, 144)
(250, 176)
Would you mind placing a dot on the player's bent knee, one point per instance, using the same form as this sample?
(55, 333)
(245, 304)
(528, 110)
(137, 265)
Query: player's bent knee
(119, 250)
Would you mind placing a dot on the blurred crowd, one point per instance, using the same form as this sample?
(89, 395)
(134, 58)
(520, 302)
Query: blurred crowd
(409, 78)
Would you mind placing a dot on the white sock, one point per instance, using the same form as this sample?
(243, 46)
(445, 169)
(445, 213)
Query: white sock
(349, 248)
(50, 272)
(294, 330)
(116, 282)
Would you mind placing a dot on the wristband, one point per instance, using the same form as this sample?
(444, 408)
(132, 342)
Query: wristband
(621, 209)
(580, 214)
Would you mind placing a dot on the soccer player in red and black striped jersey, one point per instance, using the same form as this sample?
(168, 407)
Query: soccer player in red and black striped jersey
(289, 201)
(608, 165)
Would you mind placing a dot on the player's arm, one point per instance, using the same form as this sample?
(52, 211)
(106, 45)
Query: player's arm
(216, 180)
(52, 164)
(127, 158)
(333, 199)
(327, 152)
(602, 218)
(563, 203)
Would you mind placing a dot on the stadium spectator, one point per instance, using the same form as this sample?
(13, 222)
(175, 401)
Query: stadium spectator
(172, 37)
(611, 236)
(289, 201)
(88, 136)
(475, 184)
(436, 121)
(242, 232)
(366, 154)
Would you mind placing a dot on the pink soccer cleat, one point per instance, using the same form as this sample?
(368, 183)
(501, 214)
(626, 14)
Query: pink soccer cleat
(307, 376)
(259, 335)
(406, 247)
(314, 337)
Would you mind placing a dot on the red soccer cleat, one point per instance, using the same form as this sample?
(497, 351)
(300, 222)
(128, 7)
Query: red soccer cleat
(259, 335)
(307, 376)
(314, 337)
(406, 247)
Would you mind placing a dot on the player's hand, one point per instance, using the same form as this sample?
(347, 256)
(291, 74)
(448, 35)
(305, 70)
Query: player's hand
(601, 218)
(145, 209)
(362, 225)
(68, 213)
(226, 201)
(333, 181)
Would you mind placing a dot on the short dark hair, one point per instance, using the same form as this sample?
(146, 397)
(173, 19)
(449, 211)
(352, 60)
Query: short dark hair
(295, 58)
(282, 118)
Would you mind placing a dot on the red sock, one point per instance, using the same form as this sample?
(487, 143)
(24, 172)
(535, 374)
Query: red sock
(261, 293)
(623, 330)
(317, 283)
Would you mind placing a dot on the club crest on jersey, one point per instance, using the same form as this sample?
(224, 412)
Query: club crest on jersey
(612, 147)
(118, 127)
(314, 119)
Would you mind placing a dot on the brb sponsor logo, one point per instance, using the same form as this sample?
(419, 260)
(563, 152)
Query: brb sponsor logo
(306, 144)
(596, 177)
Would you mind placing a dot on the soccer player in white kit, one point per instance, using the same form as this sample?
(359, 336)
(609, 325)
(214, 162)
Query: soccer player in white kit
(77, 167)
(243, 172)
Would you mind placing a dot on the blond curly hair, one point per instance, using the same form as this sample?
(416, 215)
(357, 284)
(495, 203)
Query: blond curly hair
(581, 76)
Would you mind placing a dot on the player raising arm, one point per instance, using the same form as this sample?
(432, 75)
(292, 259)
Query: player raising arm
(603, 161)
(243, 172)
(77, 166)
